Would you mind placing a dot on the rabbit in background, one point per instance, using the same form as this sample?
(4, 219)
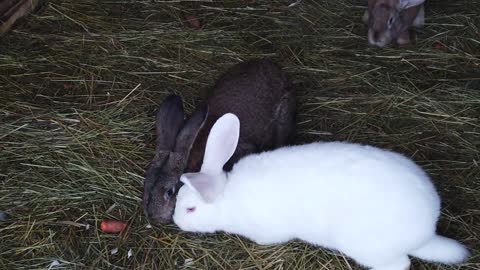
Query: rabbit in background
(391, 20)
(258, 91)
(375, 206)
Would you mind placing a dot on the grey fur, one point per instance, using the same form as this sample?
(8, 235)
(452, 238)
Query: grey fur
(257, 91)
(4, 216)
(388, 21)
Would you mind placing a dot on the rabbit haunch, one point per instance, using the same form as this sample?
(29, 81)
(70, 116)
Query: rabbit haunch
(373, 205)
(391, 20)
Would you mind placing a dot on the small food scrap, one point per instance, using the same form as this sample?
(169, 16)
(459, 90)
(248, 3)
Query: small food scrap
(438, 45)
(53, 264)
(188, 262)
(130, 253)
(4, 216)
(112, 226)
(193, 22)
(296, 3)
(114, 251)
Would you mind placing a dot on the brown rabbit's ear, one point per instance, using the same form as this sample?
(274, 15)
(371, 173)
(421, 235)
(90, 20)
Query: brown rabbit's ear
(186, 137)
(371, 4)
(169, 121)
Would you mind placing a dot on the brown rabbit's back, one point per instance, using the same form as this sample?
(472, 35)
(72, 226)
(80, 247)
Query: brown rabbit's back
(253, 91)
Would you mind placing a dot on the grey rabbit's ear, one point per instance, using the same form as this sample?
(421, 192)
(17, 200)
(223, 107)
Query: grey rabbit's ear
(169, 121)
(371, 4)
(186, 137)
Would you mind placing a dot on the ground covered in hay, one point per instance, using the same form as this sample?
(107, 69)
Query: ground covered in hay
(80, 83)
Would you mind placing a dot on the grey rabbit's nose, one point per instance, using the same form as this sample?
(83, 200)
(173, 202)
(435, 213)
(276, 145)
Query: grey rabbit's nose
(158, 220)
(149, 214)
(150, 217)
(376, 35)
(155, 219)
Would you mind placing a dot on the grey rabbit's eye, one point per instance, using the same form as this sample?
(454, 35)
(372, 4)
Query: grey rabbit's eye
(390, 22)
(169, 193)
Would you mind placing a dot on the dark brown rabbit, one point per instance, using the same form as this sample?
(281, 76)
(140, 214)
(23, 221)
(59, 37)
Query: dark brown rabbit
(257, 91)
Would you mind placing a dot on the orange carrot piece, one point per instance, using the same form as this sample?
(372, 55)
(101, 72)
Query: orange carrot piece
(112, 226)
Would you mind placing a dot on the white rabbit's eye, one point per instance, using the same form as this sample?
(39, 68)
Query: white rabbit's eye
(190, 209)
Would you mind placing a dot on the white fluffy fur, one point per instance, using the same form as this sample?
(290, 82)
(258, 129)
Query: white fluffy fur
(375, 206)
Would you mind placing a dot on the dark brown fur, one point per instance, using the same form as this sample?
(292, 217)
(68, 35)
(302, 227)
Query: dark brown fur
(12, 11)
(257, 91)
(260, 95)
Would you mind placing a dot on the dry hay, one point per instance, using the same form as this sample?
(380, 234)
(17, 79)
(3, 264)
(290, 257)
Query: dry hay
(81, 81)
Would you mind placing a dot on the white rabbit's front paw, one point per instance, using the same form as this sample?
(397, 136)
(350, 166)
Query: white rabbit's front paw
(265, 241)
(269, 239)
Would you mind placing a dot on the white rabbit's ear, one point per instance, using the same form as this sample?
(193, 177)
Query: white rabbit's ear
(207, 186)
(221, 143)
(409, 3)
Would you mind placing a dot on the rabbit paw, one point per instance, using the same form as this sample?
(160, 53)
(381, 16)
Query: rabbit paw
(404, 39)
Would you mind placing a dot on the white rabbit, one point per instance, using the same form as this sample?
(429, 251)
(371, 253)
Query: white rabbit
(374, 206)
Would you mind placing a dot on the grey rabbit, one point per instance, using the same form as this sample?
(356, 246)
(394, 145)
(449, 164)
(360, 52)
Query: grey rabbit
(257, 91)
(391, 20)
